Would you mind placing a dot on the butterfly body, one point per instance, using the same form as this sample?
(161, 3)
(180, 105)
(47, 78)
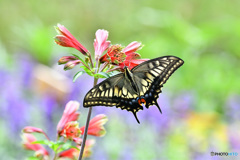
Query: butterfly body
(131, 89)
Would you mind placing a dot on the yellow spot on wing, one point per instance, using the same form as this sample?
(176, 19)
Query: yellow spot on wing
(150, 76)
(144, 82)
(110, 92)
(124, 91)
(115, 91)
(154, 73)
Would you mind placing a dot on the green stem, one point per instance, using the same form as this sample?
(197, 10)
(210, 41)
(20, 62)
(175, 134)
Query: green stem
(90, 58)
(59, 147)
(86, 127)
(114, 69)
(103, 66)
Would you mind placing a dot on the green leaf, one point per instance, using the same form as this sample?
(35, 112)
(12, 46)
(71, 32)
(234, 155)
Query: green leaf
(67, 146)
(55, 145)
(101, 75)
(78, 74)
(32, 158)
(46, 142)
(89, 72)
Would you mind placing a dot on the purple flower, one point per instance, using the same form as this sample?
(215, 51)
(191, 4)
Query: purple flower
(49, 105)
(183, 103)
(15, 107)
(126, 153)
(153, 115)
(99, 153)
(25, 70)
(233, 136)
(232, 108)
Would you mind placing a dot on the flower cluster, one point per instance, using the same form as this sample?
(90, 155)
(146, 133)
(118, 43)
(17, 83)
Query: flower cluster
(108, 58)
(116, 55)
(68, 131)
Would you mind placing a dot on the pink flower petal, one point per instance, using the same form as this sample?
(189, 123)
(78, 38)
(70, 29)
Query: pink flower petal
(69, 114)
(64, 41)
(132, 63)
(96, 126)
(62, 30)
(132, 56)
(69, 38)
(101, 43)
(132, 47)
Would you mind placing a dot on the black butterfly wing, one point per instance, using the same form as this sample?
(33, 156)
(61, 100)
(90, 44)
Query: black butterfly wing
(114, 91)
(151, 75)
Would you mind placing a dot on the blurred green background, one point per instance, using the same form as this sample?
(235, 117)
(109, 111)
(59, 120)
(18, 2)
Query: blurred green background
(200, 102)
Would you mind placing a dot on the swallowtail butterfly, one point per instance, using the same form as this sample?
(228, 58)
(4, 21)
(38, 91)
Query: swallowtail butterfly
(140, 85)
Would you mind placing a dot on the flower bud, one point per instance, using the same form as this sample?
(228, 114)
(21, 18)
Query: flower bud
(71, 64)
(30, 129)
(66, 59)
(66, 39)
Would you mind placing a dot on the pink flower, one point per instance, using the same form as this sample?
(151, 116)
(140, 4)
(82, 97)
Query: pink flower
(123, 56)
(101, 43)
(114, 55)
(66, 39)
(73, 153)
(96, 126)
(27, 144)
(87, 149)
(30, 129)
(69, 114)
(71, 130)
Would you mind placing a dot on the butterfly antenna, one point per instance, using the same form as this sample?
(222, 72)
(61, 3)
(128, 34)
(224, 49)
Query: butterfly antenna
(158, 107)
(135, 115)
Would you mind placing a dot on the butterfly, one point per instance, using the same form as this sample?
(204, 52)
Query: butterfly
(133, 88)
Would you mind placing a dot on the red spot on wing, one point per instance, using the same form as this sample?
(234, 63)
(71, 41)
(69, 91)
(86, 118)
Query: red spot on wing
(140, 101)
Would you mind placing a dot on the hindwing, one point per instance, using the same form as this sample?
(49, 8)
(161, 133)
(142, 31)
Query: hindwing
(151, 75)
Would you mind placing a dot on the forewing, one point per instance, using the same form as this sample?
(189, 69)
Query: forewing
(102, 94)
(114, 91)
